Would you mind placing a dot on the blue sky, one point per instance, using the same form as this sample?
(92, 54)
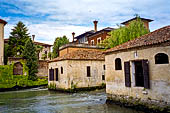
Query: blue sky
(48, 19)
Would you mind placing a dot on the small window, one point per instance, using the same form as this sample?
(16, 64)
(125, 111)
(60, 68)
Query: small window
(103, 77)
(161, 58)
(118, 64)
(61, 70)
(88, 71)
(92, 42)
(46, 52)
(98, 40)
(104, 67)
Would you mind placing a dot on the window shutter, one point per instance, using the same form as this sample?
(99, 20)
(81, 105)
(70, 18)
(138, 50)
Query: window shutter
(56, 71)
(51, 73)
(127, 74)
(146, 74)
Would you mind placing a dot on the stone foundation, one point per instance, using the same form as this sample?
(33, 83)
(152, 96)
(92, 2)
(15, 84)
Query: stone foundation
(148, 106)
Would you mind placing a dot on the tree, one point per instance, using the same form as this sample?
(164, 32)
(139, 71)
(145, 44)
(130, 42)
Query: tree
(50, 55)
(39, 48)
(121, 35)
(17, 40)
(30, 55)
(59, 41)
(44, 56)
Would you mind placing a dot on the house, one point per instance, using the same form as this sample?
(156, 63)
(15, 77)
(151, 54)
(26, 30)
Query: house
(2, 24)
(77, 68)
(144, 20)
(138, 71)
(46, 48)
(98, 36)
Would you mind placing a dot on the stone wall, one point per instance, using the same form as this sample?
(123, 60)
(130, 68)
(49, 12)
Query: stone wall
(75, 73)
(159, 74)
(42, 68)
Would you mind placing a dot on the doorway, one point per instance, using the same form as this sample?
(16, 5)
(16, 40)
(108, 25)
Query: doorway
(139, 76)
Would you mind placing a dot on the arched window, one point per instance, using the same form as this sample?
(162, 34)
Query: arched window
(61, 70)
(161, 58)
(18, 69)
(118, 64)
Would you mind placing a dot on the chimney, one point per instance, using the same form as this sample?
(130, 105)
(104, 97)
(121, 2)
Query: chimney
(33, 37)
(73, 34)
(95, 25)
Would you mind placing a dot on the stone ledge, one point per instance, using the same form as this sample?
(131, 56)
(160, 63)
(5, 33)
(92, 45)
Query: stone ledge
(148, 106)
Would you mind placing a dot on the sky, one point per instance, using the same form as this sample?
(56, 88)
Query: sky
(48, 19)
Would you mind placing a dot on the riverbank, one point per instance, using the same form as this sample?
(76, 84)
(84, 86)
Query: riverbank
(148, 106)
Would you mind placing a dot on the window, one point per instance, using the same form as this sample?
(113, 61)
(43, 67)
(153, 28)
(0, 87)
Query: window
(98, 40)
(118, 64)
(61, 70)
(56, 74)
(88, 71)
(92, 42)
(104, 67)
(103, 77)
(46, 52)
(161, 58)
(51, 74)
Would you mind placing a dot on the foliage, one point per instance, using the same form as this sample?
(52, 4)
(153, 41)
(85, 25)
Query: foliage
(31, 59)
(44, 56)
(39, 48)
(8, 80)
(17, 40)
(50, 55)
(59, 41)
(119, 36)
(6, 54)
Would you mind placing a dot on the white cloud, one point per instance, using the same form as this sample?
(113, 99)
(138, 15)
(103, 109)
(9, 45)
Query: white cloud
(48, 19)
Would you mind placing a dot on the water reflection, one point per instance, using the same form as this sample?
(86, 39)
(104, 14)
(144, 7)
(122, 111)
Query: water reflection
(44, 101)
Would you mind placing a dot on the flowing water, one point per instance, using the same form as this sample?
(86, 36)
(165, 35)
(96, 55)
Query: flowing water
(43, 101)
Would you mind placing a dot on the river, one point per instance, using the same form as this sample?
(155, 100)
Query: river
(43, 101)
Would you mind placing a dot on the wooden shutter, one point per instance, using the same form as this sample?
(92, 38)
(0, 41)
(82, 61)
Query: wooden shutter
(146, 74)
(127, 74)
(51, 73)
(56, 72)
(88, 71)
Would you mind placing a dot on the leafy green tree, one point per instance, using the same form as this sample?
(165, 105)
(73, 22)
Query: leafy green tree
(39, 48)
(30, 55)
(59, 41)
(121, 35)
(50, 55)
(44, 56)
(6, 54)
(17, 40)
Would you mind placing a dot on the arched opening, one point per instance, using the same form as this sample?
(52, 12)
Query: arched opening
(18, 69)
(161, 58)
(118, 64)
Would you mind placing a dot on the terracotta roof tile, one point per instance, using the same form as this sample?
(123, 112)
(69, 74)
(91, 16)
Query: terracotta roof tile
(158, 36)
(82, 55)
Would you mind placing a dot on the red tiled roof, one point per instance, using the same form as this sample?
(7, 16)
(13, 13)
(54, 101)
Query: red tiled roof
(3, 21)
(38, 43)
(82, 55)
(156, 37)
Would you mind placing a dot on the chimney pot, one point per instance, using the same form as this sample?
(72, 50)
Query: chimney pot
(33, 37)
(73, 34)
(95, 25)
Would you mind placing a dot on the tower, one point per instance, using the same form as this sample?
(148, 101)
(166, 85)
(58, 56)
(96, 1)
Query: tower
(2, 24)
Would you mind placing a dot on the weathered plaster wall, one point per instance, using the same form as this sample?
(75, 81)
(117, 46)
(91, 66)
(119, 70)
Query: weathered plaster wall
(1, 44)
(159, 75)
(42, 68)
(62, 78)
(75, 73)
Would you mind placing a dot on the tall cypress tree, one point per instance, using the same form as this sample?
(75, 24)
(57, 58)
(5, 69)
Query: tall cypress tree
(17, 40)
(31, 57)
